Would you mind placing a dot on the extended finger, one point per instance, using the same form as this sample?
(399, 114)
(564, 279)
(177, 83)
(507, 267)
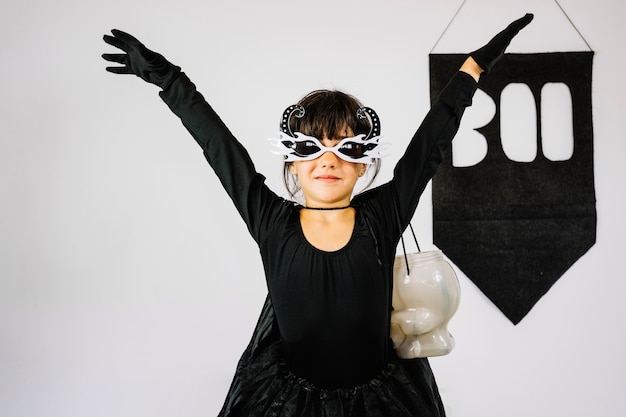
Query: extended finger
(113, 41)
(119, 70)
(522, 22)
(126, 38)
(119, 58)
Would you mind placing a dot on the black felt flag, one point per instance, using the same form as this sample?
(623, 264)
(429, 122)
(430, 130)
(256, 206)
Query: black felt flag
(514, 228)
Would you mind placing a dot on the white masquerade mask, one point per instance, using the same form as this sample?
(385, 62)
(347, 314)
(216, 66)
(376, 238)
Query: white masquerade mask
(305, 148)
(300, 147)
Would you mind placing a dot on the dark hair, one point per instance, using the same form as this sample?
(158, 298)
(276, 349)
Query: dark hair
(326, 114)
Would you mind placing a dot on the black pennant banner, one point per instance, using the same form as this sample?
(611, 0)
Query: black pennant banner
(514, 228)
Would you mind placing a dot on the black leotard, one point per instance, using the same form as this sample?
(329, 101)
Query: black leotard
(332, 309)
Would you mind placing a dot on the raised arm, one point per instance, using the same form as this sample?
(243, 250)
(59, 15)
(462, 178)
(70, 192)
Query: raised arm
(225, 154)
(425, 151)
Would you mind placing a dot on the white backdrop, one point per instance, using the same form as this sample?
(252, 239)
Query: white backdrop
(128, 284)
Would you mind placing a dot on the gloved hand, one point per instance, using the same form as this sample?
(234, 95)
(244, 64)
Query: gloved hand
(491, 53)
(139, 60)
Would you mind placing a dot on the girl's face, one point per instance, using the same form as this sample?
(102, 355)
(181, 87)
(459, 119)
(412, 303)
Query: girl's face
(328, 181)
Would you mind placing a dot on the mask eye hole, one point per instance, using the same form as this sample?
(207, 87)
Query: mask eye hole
(352, 149)
(306, 148)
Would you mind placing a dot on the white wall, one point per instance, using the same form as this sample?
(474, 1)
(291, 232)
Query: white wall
(129, 286)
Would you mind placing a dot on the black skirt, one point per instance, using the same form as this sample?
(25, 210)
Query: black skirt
(264, 386)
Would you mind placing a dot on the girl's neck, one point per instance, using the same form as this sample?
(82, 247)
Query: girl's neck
(327, 208)
(315, 204)
(328, 230)
(328, 216)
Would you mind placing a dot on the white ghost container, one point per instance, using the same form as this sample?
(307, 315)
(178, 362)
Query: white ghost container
(424, 301)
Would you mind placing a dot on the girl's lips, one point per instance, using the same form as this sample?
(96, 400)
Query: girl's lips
(326, 178)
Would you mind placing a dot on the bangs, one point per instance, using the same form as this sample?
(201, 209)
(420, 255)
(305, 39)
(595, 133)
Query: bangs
(329, 114)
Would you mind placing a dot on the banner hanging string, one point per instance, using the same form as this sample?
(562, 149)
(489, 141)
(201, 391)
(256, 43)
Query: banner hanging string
(447, 27)
(465, 1)
(574, 26)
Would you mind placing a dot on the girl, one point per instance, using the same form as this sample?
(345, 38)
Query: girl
(321, 346)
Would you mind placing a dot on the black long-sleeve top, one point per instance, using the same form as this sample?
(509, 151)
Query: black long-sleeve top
(332, 308)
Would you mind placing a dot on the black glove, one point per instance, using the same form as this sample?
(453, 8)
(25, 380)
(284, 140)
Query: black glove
(139, 60)
(491, 53)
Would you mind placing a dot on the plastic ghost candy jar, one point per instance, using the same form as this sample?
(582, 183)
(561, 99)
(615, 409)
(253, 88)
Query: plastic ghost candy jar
(424, 300)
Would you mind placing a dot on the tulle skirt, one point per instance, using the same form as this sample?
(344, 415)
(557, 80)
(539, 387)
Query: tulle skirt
(264, 386)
